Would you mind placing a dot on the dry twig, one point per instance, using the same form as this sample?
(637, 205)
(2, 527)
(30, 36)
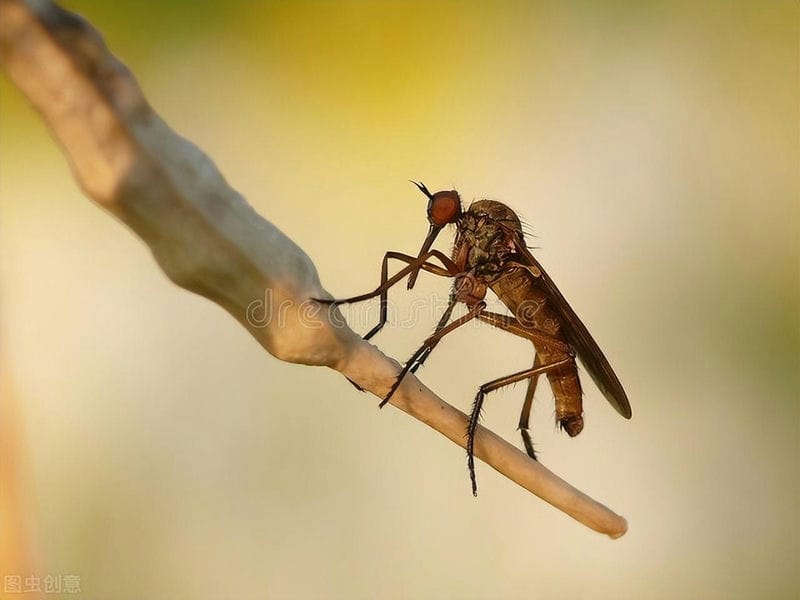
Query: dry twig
(206, 237)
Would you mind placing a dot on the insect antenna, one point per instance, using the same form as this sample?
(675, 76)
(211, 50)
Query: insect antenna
(422, 188)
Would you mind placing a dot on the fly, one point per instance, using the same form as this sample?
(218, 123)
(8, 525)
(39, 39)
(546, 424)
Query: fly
(489, 253)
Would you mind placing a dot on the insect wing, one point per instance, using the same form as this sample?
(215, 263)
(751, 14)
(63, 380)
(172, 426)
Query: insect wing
(582, 341)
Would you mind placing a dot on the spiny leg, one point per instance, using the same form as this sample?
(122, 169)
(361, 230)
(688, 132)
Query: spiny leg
(478, 404)
(525, 414)
(431, 342)
(439, 326)
(512, 325)
(385, 295)
(455, 292)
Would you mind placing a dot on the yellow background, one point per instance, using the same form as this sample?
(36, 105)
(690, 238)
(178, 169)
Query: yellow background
(652, 147)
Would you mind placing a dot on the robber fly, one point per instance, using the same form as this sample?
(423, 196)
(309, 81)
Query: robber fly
(489, 252)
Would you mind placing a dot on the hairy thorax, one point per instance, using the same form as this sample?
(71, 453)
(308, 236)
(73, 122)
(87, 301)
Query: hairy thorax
(487, 236)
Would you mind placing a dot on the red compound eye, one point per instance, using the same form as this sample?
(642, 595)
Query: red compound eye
(444, 208)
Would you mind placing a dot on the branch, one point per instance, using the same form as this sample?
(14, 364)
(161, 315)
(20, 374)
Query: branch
(207, 238)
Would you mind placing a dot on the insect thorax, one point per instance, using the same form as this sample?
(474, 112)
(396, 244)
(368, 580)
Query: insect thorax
(490, 231)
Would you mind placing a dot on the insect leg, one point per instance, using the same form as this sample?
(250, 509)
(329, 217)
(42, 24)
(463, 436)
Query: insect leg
(448, 271)
(430, 343)
(491, 386)
(382, 290)
(442, 322)
(439, 326)
(415, 263)
(525, 414)
(511, 325)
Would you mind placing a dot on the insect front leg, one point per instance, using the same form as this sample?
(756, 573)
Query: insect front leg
(477, 405)
(449, 269)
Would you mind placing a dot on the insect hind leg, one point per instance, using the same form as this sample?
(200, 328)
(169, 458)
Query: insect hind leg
(525, 413)
(477, 405)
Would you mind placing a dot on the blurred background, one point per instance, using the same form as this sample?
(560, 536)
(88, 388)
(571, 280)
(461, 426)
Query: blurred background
(152, 448)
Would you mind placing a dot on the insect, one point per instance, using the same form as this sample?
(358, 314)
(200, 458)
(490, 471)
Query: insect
(489, 252)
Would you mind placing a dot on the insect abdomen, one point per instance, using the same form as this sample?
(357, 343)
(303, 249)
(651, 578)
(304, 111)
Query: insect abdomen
(517, 289)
